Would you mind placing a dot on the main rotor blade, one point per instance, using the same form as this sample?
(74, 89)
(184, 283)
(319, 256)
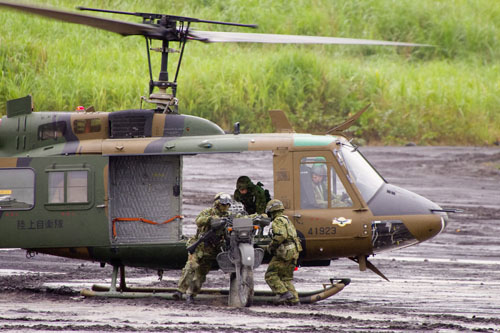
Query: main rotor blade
(237, 37)
(157, 32)
(170, 17)
(120, 27)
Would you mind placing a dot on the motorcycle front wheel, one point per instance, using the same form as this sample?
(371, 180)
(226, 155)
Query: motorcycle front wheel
(241, 292)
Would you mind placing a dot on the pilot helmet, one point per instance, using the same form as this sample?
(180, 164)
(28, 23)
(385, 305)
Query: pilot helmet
(319, 169)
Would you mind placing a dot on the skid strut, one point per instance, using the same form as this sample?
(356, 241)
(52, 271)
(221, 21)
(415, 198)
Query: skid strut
(114, 277)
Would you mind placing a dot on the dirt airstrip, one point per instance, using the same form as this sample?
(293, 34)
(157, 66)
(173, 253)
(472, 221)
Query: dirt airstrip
(448, 284)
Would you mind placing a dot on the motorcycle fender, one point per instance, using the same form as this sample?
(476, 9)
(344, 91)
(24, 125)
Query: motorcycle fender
(247, 254)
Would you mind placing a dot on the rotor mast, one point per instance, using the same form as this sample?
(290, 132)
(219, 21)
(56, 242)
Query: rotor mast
(166, 102)
(168, 28)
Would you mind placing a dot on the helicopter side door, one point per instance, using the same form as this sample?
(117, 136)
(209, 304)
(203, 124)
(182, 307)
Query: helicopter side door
(326, 209)
(145, 199)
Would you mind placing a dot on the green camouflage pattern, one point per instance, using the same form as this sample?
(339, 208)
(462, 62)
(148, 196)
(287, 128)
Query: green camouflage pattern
(43, 143)
(40, 141)
(65, 133)
(81, 150)
(279, 277)
(254, 200)
(285, 247)
(204, 257)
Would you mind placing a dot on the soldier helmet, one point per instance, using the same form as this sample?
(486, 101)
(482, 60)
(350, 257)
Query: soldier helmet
(319, 169)
(274, 206)
(243, 182)
(222, 198)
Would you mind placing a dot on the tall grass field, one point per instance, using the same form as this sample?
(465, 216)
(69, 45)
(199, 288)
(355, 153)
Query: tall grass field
(448, 93)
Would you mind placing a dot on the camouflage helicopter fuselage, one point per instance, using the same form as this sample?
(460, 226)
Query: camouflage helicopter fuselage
(95, 185)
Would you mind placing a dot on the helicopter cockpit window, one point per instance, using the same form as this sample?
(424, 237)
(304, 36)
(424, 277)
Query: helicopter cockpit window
(82, 126)
(319, 185)
(338, 194)
(365, 176)
(17, 189)
(51, 130)
(68, 186)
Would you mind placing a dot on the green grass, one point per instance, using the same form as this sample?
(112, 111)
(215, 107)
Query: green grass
(447, 94)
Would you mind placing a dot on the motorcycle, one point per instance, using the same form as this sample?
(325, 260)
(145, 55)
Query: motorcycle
(240, 258)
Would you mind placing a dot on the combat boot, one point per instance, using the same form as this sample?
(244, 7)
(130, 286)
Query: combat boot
(177, 295)
(189, 299)
(284, 297)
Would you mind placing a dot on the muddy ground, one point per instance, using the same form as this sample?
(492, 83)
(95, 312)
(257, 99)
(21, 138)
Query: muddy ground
(448, 284)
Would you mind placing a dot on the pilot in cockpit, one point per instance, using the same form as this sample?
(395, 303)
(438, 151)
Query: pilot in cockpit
(320, 186)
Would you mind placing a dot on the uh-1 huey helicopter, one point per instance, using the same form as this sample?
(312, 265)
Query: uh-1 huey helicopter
(107, 186)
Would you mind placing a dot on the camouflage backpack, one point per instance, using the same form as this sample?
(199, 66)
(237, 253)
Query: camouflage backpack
(266, 191)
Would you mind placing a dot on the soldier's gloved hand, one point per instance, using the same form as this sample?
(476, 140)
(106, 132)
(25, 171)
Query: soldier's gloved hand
(270, 249)
(262, 220)
(217, 222)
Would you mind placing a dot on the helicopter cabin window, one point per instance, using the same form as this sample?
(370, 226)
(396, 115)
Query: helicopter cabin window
(53, 130)
(83, 126)
(68, 186)
(320, 187)
(17, 189)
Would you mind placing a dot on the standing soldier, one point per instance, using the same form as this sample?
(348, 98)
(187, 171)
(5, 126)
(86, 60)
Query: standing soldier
(253, 197)
(285, 247)
(200, 261)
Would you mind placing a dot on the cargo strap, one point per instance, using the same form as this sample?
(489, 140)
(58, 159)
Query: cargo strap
(131, 219)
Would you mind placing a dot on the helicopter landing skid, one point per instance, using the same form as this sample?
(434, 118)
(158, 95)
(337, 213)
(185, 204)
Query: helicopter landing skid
(260, 296)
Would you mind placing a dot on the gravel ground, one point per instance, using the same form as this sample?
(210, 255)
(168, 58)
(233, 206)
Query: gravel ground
(450, 283)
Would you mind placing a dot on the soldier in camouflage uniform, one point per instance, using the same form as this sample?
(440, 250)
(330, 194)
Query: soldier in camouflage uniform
(285, 248)
(199, 263)
(252, 196)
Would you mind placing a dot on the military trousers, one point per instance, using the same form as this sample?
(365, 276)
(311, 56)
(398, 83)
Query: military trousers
(195, 272)
(279, 276)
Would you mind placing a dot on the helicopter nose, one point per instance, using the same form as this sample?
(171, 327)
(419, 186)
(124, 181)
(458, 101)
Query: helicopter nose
(425, 227)
(394, 200)
(422, 218)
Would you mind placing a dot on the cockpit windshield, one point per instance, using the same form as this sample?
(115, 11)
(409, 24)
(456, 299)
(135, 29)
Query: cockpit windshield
(365, 176)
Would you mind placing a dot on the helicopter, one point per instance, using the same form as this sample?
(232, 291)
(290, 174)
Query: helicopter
(107, 187)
